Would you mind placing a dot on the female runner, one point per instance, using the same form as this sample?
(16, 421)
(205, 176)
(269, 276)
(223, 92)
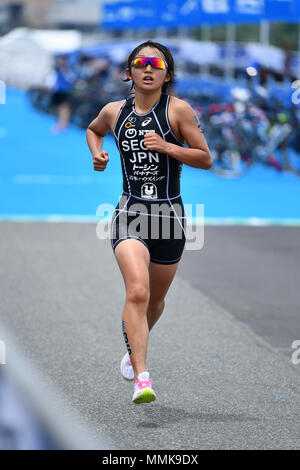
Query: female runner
(150, 129)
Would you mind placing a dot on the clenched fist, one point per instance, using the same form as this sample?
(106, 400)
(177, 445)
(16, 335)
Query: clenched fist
(100, 160)
(154, 141)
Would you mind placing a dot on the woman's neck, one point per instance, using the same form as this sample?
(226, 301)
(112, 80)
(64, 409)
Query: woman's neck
(143, 103)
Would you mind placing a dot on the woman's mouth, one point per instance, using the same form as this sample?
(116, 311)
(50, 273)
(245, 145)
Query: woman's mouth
(148, 79)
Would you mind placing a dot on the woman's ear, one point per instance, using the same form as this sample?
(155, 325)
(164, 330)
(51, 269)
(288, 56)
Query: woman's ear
(168, 77)
(128, 74)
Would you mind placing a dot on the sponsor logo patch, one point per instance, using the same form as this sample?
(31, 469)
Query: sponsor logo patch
(149, 191)
(147, 121)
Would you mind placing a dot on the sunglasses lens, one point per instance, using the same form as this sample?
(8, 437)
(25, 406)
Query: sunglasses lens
(158, 63)
(155, 62)
(139, 62)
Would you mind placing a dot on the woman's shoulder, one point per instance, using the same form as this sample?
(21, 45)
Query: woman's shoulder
(179, 105)
(111, 111)
(113, 105)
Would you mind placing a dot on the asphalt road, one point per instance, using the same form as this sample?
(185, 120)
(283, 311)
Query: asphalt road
(253, 272)
(219, 358)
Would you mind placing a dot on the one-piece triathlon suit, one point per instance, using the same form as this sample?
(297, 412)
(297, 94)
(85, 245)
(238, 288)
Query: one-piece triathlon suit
(150, 208)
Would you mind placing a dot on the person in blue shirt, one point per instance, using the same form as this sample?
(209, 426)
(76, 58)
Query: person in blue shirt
(64, 79)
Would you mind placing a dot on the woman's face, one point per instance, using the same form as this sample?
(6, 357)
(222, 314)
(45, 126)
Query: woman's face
(159, 76)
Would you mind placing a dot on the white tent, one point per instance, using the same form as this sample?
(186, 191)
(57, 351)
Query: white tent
(26, 55)
(268, 56)
(201, 53)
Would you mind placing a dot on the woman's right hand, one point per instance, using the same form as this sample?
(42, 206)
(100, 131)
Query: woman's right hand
(100, 160)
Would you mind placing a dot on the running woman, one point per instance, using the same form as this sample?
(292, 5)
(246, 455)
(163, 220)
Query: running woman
(150, 129)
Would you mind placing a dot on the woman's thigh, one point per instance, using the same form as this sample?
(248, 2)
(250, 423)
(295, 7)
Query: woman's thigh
(134, 262)
(160, 278)
(133, 259)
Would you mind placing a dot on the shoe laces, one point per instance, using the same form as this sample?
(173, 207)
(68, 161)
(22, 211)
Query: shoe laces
(143, 384)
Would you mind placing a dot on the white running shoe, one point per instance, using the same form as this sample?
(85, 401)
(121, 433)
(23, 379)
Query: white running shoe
(126, 368)
(142, 392)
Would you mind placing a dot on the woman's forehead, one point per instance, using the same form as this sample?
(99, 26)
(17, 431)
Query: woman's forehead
(150, 52)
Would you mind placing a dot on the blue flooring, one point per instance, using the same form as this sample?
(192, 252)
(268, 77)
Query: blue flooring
(44, 174)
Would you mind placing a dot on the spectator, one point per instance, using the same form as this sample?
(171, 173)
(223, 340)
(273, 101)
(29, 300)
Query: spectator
(63, 80)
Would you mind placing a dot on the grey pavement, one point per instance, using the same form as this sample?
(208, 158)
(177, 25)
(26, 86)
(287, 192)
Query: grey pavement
(254, 272)
(220, 384)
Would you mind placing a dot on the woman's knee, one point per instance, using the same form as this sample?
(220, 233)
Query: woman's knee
(138, 293)
(155, 306)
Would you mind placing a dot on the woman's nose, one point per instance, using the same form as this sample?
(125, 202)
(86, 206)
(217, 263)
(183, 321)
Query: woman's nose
(148, 66)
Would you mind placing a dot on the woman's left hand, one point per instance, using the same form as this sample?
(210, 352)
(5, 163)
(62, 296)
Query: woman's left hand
(154, 141)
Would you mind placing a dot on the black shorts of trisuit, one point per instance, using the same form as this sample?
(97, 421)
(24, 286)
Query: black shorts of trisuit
(159, 225)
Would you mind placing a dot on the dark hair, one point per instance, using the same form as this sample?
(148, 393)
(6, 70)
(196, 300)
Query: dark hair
(168, 57)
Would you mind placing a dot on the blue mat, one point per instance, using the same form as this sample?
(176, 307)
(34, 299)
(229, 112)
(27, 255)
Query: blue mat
(50, 177)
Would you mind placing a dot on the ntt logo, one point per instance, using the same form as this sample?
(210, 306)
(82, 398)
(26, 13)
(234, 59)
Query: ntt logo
(2, 352)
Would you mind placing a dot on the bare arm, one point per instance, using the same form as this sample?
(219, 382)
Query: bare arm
(198, 154)
(95, 133)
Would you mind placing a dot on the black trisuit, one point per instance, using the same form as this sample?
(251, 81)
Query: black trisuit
(150, 208)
